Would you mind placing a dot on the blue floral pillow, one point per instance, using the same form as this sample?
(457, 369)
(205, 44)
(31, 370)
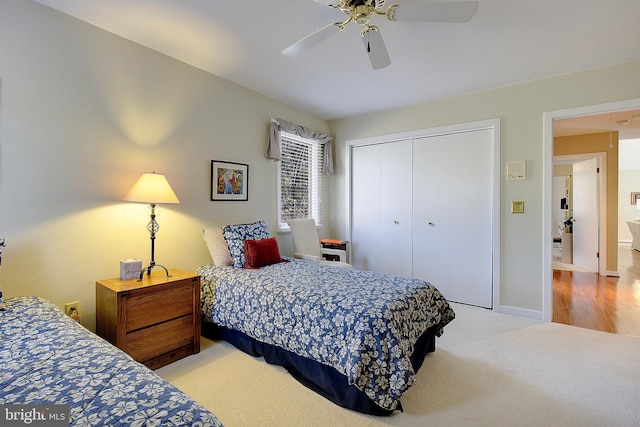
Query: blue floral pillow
(236, 234)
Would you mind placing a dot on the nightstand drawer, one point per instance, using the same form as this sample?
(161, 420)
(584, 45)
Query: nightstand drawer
(145, 344)
(148, 308)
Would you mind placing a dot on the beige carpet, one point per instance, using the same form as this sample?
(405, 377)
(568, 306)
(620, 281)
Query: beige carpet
(489, 369)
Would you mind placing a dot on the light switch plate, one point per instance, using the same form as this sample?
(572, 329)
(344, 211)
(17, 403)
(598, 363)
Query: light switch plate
(517, 207)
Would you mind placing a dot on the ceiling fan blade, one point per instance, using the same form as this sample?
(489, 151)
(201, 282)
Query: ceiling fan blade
(311, 40)
(376, 50)
(455, 11)
(326, 2)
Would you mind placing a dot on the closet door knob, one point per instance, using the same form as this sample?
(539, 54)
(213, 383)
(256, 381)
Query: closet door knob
(396, 222)
(431, 224)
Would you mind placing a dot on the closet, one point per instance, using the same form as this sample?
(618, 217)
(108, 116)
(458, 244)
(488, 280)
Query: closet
(422, 207)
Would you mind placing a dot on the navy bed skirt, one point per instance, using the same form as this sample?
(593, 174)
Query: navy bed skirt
(323, 379)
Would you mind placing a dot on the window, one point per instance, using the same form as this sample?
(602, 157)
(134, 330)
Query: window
(299, 179)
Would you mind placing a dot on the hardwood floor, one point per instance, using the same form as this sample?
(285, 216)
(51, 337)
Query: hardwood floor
(609, 304)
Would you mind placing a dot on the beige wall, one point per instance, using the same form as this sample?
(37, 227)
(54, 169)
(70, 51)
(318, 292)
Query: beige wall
(562, 170)
(521, 108)
(83, 114)
(599, 143)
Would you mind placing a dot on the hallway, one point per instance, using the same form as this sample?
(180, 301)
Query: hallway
(591, 301)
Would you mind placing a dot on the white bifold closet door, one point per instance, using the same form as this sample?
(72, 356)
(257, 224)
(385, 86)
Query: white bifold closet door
(365, 208)
(452, 215)
(423, 208)
(395, 208)
(432, 246)
(381, 207)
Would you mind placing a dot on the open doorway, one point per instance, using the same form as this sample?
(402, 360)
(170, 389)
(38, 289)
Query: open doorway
(604, 118)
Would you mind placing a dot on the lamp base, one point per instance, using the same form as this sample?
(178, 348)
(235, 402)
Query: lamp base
(150, 267)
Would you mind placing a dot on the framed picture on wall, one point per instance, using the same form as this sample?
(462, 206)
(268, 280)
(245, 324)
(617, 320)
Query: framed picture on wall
(229, 181)
(635, 197)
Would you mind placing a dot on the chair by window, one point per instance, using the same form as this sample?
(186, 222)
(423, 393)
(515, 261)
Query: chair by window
(307, 246)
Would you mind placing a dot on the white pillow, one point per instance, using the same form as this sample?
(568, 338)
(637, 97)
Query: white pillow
(217, 246)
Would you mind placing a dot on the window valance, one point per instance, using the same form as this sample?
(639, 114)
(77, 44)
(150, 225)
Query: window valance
(273, 144)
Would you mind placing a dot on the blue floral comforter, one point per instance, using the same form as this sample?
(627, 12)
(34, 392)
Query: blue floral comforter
(48, 358)
(362, 323)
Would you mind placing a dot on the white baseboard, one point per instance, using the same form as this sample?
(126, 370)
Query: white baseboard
(522, 312)
(613, 274)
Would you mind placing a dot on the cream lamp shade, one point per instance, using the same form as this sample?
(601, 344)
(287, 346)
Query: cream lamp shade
(151, 188)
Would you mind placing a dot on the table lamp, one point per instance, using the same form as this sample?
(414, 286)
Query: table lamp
(152, 188)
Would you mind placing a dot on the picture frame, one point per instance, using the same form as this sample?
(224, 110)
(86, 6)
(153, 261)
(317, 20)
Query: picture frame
(229, 181)
(635, 197)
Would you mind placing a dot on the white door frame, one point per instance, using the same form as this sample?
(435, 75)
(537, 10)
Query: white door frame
(547, 160)
(493, 124)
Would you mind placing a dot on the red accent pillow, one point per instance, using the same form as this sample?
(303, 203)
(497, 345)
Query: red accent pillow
(258, 253)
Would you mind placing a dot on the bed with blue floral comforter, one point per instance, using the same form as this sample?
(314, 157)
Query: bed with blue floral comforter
(366, 326)
(48, 358)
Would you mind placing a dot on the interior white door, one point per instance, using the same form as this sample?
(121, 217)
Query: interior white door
(585, 214)
(365, 207)
(395, 202)
(471, 195)
(431, 215)
(424, 208)
(452, 215)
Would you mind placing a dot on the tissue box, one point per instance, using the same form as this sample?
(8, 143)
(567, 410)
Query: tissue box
(130, 269)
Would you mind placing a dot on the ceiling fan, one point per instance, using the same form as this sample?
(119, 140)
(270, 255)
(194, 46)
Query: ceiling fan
(361, 12)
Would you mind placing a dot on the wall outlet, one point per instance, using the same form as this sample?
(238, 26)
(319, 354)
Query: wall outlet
(72, 308)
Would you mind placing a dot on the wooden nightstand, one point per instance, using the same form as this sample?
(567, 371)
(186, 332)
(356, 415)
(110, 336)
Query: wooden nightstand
(156, 320)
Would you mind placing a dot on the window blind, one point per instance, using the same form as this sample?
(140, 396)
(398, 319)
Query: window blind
(300, 176)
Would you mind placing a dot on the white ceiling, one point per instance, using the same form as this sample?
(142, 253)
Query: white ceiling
(508, 41)
(621, 121)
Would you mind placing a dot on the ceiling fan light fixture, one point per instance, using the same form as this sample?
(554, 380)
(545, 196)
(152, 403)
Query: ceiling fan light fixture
(361, 15)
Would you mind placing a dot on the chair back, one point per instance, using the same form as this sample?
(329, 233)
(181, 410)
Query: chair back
(305, 236)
